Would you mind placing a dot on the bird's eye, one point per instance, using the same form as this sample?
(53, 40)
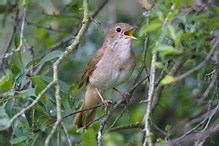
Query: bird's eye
(118, 29)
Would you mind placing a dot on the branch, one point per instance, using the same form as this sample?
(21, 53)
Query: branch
(199, 136)
(21, 35)
(69, 49)
(7, 47)
(97, 10)
(143, 66)
(201, 64)
(202, 122)
(70, 114)
(28, 107)
(67, 135)
(116, 120)
(148, 133)
(122, 127)
(118, 103)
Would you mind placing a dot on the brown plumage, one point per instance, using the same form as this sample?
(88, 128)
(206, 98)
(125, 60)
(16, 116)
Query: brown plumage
(109, 67)
(91, 66)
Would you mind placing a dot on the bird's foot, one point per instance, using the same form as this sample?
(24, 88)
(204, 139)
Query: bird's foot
(125, 95)
(106, 104)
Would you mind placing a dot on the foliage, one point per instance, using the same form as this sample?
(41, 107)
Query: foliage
(184, 34)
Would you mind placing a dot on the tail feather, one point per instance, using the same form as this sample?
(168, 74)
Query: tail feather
(91, 99)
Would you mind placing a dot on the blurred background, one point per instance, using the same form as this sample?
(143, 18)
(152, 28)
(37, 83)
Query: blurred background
(50, 25)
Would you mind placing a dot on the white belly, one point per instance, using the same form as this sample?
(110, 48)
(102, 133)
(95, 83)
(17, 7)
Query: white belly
(113, 71)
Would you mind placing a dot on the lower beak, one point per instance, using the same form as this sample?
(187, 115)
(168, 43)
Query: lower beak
(127, 33)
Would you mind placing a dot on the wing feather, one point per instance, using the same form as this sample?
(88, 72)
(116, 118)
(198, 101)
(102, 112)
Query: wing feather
(91, 66)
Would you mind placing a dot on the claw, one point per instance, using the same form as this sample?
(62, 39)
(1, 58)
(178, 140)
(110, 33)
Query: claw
(106, 104)
(123, 95)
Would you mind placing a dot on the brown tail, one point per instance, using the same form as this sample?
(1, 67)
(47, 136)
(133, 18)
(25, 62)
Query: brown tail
(91, 99)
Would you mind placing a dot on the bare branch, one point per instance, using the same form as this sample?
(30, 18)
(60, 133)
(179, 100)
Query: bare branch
(201, 64)
(66, 133)
(116, 120)
(148, 134)
(22, 32)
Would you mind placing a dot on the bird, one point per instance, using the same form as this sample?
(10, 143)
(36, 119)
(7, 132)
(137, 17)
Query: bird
(109, 67)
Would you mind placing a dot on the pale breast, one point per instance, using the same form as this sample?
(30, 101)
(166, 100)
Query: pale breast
(113, 69)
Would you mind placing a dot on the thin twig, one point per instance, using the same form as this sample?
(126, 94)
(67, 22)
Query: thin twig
(94, 121)
(126, 107)
(7, 47)
(200, 65)
(116, 120)
(143, 66)
(199, 136)
(209, 116)
(97, 10)
(204, 96)
(28, 107)
(66, 133)
(122, 127)
(70, 114)
(22, 33)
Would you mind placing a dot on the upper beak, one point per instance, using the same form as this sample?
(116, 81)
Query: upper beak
(128, 34)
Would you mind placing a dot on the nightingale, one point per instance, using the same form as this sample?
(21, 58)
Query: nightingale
(109, 67)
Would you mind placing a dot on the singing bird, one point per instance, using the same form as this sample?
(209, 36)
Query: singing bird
(109, 67)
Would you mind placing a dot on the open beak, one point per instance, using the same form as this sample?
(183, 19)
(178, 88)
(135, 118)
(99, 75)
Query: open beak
(127, 33)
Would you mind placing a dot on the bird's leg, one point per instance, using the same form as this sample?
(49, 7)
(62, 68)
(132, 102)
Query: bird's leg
(123, 94)
(104, 101)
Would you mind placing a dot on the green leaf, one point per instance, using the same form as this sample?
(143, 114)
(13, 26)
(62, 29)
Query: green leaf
(39, 109)
(150, 27)
(89, 137)
(32, 62)
(168, 79)
(164, 49)
(159, 65)
(26, 92)
(8, 108)
(190, 2)
(17, 39)
(50, 56)
(52, 100)
(44, 1)
(34, 138)
(161, 36)
(3, 116)
(79, 105)
(167, 128)
(84, 119)
(64, 86)
(178, 37)
(6, 82)
(40, 85)
(172, 32)
(18, 139)
(20, 80)
(20, 56)
(15, 69)
(212, 22)
(4, 20)
(70, 96)
(42, 119)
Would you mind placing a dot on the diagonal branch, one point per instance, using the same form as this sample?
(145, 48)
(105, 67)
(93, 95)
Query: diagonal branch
(69, 49)
(21, 35)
